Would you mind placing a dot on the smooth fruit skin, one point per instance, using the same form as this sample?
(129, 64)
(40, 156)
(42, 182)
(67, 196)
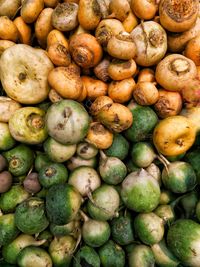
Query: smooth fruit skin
(67, 121)
(174, 135)
(163, 256)
(34, 257)
(105, 204)
(140, 191)
(58, 152)
(6, 139)
(141, 256)
(119, 147)
(183, 239)
(149, 228)
(144, 121)
(95, 233)
(142, 154)
(180, 177)
(11, 251)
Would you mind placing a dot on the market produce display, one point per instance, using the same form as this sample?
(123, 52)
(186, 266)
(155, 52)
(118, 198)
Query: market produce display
(99, 133)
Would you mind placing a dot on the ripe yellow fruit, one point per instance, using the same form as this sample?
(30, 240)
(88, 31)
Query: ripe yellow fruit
(174, 135)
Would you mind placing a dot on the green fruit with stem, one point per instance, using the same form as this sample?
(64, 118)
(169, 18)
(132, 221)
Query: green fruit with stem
(20, 159)
(179, 177)
(112, 170)
(11, 251)
(104, 203)
(52, 174)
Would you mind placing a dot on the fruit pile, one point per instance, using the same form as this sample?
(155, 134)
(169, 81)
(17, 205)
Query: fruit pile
(99, 133)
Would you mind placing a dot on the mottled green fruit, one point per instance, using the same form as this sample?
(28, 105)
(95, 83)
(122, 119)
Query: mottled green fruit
(142, 154)
(183, 239)
(20, 159)
(149, 228)
(67, 121)
(112, 170)
(145, 119)
(141, 256)
(95, 233)
(140, 191)
(30, 216)
(86, 256)
(52, 174)
(58, 152)
(119, 147)
(180, 177)
(34, 257)
(105, 203)
(112, 255)
(62, 203)
(8, 229)
(163, 256)
(6, 139)
(122, 230)
(10, 199)
(61, 250)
